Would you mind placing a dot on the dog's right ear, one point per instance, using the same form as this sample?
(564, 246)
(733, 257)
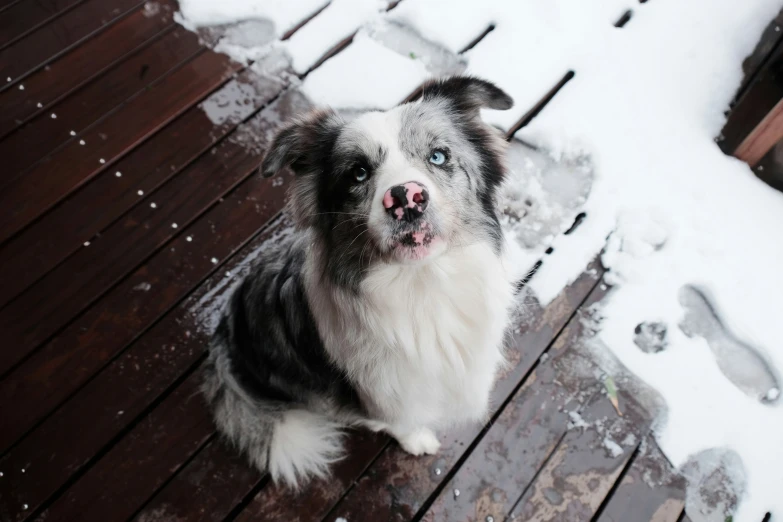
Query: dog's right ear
(303, 144)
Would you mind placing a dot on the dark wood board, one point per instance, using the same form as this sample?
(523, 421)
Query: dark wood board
(50, 130)
(61, 232)
(23, 17)
(111, 489)
(81, 65)
(55, 177)
(64, 364)
(126, 388)
(65, 32)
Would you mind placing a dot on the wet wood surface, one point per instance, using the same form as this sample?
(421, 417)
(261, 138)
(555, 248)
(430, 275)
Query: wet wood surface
(125, 219)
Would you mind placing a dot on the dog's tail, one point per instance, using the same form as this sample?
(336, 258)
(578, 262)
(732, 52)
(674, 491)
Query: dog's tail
(293, 444)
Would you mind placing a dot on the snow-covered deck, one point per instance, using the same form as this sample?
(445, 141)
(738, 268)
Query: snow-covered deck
(128, 208)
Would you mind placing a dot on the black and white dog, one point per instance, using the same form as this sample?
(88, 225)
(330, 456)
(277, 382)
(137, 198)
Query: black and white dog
(388, 306)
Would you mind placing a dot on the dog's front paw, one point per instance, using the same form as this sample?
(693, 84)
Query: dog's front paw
(420, 442)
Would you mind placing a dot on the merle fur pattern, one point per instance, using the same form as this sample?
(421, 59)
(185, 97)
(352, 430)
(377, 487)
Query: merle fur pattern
(361, 319)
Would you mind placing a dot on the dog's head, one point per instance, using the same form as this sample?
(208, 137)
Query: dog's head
(401, 186)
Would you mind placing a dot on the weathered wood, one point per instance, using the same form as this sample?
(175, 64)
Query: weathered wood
(650, 491)
(51, 374)
(52, 179)
(580, 473)
(81, 65)
(517, 444)
(61, 232)
(121, 392)
(23, 17)
(398, 484)
(44, 44)
(50, 130)
(113, 488)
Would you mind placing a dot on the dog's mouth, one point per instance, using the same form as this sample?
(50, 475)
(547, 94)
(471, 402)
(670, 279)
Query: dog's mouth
(417, 244)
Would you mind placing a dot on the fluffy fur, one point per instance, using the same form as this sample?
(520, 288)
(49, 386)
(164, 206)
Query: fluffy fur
(388, 307)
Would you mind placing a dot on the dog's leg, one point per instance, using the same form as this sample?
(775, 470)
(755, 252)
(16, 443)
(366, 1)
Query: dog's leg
(420, 441)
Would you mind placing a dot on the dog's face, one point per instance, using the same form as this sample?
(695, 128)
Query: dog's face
(401, 186)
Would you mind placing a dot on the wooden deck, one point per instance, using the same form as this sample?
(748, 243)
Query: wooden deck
(123, 208)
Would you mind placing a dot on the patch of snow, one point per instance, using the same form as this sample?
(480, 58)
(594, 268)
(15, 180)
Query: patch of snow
(143, 287)
(284, 14)
(337, 21)
(614, 449)
(576, 421)
(386, 77)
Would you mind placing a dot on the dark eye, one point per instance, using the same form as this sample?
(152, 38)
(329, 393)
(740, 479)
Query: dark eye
(360, 174)
(438, 157)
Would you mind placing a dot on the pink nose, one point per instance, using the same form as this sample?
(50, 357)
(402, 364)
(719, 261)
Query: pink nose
(407, 201)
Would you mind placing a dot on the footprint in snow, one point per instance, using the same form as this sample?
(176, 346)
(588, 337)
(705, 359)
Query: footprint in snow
(740, 362)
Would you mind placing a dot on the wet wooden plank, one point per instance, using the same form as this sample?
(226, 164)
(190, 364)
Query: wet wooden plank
(81, 65)
(650, 491)
(61, 232)
(526, 432)
(124, 478)
(52, 179)
(62, 366)
(206, 489)
(82, 278)
(118, 395)
(398, 484)
(59, 125)
(274, 503)
(581, 472)
(46, 43)
(23, 17)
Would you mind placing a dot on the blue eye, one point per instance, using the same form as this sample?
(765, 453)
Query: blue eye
(438, 157)
(360, 174)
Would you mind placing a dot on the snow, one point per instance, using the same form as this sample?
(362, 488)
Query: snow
(386, 77)
(614, 449)
(628, 143)
(337, 21)
(284, 14)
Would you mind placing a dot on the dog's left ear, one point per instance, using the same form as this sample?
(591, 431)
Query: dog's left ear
(303, 144)
(467, 94)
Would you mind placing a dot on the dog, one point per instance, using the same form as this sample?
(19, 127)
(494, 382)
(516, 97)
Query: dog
(387, 308)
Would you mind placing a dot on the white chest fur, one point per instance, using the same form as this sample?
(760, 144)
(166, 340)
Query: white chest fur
(422, 343)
